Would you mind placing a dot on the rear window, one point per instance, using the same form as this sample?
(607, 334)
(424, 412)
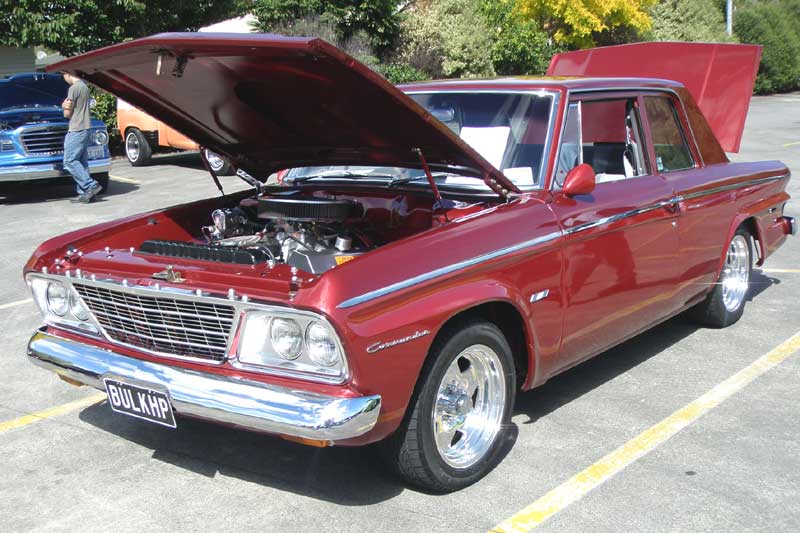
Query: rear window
(669, 142)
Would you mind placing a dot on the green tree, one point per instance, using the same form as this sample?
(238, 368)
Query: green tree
(378, 20)
(770, 25)
(689, 20)
(447, 38)
(519, 46)
(76, 26)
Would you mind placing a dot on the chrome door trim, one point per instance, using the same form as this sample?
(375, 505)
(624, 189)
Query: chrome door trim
(427, 276)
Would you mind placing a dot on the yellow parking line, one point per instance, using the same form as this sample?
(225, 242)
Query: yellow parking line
(782, 270)
(123, 180)
(579, 485)
(52, 412)
(14, 304)
(787, 145)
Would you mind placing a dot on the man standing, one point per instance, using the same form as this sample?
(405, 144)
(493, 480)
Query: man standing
(76, 143)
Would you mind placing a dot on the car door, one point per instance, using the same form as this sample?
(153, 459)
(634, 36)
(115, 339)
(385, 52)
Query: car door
(620, 241)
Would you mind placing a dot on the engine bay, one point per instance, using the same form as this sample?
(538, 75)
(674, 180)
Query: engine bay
(311, 232)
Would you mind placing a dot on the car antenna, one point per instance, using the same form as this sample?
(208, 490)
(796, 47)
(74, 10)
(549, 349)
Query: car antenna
(211, 171)
(436, 193)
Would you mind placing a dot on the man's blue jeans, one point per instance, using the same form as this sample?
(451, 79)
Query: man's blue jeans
(76, 159)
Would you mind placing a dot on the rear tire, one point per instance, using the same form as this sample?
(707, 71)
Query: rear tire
(725, 304)
(137, 149)
(460, 412)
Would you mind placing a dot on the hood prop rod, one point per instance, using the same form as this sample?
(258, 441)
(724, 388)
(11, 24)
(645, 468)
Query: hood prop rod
(436, 194)
(211, 171)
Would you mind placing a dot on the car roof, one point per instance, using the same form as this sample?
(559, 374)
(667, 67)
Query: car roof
(565, 83)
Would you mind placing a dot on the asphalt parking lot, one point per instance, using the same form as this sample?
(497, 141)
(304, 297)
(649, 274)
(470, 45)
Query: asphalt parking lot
(610, 445)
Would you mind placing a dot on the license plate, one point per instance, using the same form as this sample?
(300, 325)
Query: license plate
(140, 402)
(95, 153)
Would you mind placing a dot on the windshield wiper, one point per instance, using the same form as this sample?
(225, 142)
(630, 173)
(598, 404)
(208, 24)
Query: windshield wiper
(347, 175)
(409, 179)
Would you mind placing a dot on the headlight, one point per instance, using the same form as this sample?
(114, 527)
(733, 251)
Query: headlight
(57, 298)
(77, 307)
(291, 342)
(60, 305)
(287, 338)
(101, 137)
(320, 345)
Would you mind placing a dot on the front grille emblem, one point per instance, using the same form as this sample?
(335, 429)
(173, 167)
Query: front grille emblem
(169, 275)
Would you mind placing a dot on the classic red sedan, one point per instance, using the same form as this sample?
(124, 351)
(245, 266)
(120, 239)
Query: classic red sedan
(433, 249)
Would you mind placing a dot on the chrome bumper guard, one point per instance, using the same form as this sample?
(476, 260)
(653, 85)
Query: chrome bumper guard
(792, 223)
(249, 404)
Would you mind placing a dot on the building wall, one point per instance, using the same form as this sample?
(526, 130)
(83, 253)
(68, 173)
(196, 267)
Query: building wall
(16, 60)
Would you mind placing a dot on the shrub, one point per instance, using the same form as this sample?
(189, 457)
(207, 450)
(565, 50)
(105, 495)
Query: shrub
(519, 46)
(447, 39)
(689, 20)
(106, 110)
(771, 25)
(401, 73)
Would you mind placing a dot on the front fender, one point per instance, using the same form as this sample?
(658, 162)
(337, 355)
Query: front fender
(379, 363)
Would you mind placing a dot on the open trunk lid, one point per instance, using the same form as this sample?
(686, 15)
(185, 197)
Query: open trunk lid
(720, 77)
(268, 102)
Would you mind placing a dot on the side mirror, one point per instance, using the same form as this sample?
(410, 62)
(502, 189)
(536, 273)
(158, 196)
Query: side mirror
(579, 180)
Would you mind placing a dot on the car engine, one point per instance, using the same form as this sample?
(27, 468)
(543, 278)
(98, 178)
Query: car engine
(309, 233)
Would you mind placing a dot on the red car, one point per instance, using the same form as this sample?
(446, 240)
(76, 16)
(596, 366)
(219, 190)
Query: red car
(434, 249)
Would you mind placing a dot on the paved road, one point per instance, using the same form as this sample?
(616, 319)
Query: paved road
(735, 468)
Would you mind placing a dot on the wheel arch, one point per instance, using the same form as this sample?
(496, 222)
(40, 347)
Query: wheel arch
(506, 315)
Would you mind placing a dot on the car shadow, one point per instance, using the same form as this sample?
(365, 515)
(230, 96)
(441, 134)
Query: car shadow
(38, 191)
(343, 475)
(179, 159)
(358, 476)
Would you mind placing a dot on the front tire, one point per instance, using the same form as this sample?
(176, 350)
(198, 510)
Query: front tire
(460, 412)
(724, 306)
(137, 149)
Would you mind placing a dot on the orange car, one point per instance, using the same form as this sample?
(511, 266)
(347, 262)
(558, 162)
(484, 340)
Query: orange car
(144, 135)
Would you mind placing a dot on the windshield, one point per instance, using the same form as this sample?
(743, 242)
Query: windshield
(40, 90)
(510, 131)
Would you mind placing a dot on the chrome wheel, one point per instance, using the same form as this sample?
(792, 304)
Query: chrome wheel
(736, 273)
(132, 146)
(469, 406)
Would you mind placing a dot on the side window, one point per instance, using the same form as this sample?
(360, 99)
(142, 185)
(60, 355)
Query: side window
(570, 154)
(607, 135)
(669, 142)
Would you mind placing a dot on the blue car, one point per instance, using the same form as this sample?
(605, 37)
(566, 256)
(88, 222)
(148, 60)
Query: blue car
(32, 130)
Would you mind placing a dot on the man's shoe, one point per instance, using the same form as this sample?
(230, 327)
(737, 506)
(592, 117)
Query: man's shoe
(88, 196)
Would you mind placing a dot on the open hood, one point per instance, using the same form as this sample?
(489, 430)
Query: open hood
(268, 102)
(34, 89)
(720, 77)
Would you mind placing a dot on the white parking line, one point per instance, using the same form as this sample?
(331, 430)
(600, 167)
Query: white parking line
(14, 304)
(595, 475)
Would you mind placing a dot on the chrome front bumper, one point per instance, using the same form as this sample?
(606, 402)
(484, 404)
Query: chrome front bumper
(249, 404)
(39, 171)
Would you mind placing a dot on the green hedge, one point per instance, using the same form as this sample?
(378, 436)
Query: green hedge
(776, 26)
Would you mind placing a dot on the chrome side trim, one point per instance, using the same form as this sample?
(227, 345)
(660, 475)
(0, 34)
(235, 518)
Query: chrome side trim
(723, 188)
(619, 216)
(244, 403)
(541, 295)
(366, 297)
(447, 270)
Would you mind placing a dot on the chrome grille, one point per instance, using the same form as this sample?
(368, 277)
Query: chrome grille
(161, 324)
(49, 141)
